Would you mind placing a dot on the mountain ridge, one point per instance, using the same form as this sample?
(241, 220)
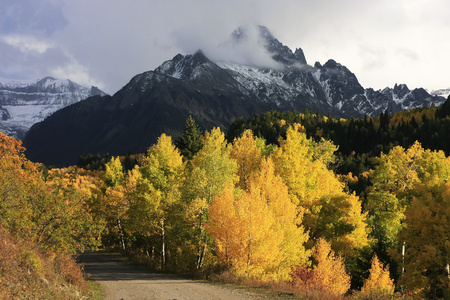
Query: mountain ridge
(214, 92)
(24, 103)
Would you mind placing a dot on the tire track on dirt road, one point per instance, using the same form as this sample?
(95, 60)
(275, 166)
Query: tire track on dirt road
(120, 280)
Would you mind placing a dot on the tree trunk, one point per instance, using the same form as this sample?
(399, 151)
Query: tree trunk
(201, 247)
(122, 240)
(163, 245)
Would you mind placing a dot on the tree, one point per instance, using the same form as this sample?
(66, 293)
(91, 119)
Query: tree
(210, 170)
(158, 191)
(379, 283)
(248, 157)
(399, 178)
(257, 231)
(250, 244)
(116, 204)
(52, 211)
(288, 218)
(329, 272)
(426, 235)
(328, 211)
(191, 140)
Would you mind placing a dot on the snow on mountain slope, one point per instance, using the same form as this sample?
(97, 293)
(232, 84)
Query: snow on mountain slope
(24, 103)
(289, 82)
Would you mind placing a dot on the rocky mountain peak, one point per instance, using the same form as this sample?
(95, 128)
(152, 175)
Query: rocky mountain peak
(260, 36)
(23, 103)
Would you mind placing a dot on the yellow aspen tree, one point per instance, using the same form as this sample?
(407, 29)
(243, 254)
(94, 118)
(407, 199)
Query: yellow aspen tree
(221, 225)
(329, 274)
(208, 172)
(328, 211)
(293, 162)
(158, 190)
(379, 282)
(247, 155)
(426, 235)
(244, 231)
(258, 240)
(116, 205)
(288, 218)
(258, 232)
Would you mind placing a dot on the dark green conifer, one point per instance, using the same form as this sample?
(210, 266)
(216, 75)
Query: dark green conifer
(191, 140)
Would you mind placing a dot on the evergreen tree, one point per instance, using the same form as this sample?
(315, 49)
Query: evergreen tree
(191, 140)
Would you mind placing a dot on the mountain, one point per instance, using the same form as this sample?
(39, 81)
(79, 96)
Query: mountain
(23, 104)
(250, 73)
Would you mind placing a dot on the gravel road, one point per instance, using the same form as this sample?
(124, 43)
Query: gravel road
(121, 281)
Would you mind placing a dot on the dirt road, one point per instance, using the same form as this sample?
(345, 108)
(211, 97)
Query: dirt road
(123, 281)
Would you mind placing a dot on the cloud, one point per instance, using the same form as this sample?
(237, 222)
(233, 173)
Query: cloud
(26, 43)
(113, 40)
(26, 57)
(248, 49)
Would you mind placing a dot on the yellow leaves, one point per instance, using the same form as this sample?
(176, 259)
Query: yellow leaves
(248, 157)
(329, 274)
(113, 172)
(10, 147)
(257, 230)
(243, 227)
(328, 211)
(426, 234)
(379, 281)
(212, 167)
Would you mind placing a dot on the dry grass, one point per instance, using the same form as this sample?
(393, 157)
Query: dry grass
(27, 273)
(289, 290)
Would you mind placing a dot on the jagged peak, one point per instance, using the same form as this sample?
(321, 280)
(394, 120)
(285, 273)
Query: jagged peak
(401, 86)
(259, 47)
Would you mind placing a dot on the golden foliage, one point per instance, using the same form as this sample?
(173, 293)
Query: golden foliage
(379, 281)
(247, 156)
(329, 274)
(257, 231)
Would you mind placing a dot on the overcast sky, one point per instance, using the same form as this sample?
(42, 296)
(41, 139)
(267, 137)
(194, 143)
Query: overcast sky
(106, 42)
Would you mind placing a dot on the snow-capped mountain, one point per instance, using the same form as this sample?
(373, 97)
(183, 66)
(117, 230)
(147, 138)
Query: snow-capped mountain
(250, 73)
(261, 67)
(329, 88)
(24, 103)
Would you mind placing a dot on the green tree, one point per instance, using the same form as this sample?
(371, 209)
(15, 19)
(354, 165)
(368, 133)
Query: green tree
(191, 140)
(116, 203)
(157, 192)
(210, 170)
(397, 180)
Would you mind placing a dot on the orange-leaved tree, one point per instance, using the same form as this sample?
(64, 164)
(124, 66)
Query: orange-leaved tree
(329, 273)
(258, 231)
(248, 243)
(379, 282)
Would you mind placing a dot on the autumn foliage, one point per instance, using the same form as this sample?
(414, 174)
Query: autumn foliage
(271, 213)
(44, 219)
(379, 281)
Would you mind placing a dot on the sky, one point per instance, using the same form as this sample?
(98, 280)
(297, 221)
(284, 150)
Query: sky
(106, 42)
